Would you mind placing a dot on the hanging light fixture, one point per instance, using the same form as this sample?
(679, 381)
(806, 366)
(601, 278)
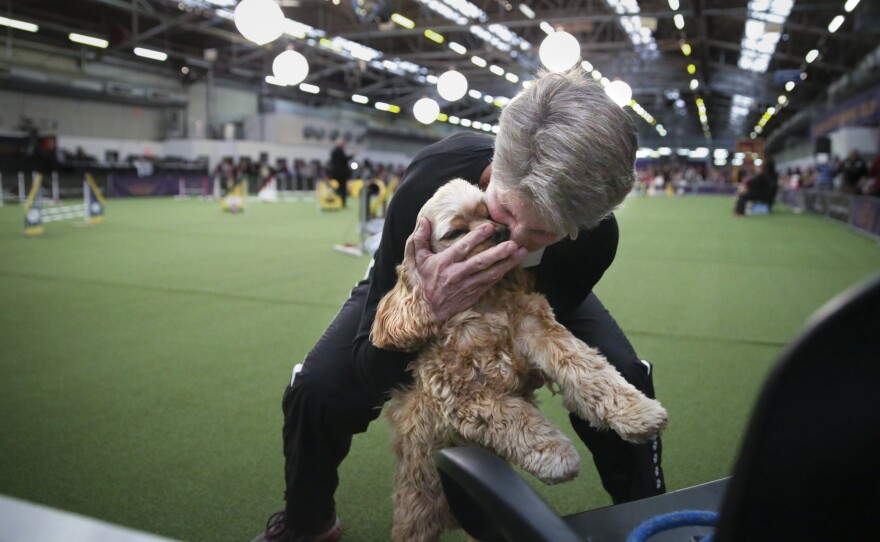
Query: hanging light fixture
(426, 110)
(260, 21)
(620, 92)
(290, 67)
(452, 85)
(559, 51)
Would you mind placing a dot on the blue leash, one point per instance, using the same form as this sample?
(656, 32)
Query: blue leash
(673, 520)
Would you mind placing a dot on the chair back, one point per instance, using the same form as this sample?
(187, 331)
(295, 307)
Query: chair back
(809, 465)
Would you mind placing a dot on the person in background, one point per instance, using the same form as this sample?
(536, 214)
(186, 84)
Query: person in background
(755, 188)
(562, 161)
(340, 169)
(854, 171)
(773, 182)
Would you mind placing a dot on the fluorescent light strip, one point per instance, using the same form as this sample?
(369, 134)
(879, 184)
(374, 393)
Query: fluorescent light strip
(151, 54)
(457, 47)
(835, 23)
(402, 21)
(358, 98)
(527, 11)
(18, 25)
(311, 89)
(88, 40)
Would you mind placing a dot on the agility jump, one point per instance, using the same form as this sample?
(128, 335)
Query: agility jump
(91, 210)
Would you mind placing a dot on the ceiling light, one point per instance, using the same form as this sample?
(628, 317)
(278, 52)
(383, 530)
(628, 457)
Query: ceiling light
(512, 77)
(686, 49)
(497, 70)
(311, 89)
(357, 98)
(88, 40)
(18, 25)
(527, 11)
(789, 86)
(835, 23)
(426, 110)
(272, 80)
(290, 67)
(433, 36)
(587, 66)
(620, 92)
(151, 54)
(673, 5)
(382, 106)
(782, 99)
(452, 85)
(479, 61)
(850, 5)
(812, 55)
(559, 51)
(457, 47)
(692, 69)
(679, 21)
(694, 84)
(547, 28)
(260, 21)
(475, 94)
(402, 21)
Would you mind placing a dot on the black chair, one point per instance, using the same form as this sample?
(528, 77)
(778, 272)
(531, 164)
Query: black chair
(808, 469)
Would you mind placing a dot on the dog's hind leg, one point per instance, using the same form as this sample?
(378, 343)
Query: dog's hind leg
(420, 509)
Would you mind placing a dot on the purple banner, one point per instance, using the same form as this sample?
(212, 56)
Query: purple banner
(866, 215)
(859, 212)
(153, 185)
(861, 110)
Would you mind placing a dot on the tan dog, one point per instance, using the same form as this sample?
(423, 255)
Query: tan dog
(476, 374)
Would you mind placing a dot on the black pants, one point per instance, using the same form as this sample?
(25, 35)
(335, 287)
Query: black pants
(331, 399)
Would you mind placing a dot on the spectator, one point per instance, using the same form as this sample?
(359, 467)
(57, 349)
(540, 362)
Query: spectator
(340, 168)
(755, 188)
(854, 170)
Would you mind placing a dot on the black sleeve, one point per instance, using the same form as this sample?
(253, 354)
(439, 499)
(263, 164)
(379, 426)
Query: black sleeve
(570, 269)
(462, 155)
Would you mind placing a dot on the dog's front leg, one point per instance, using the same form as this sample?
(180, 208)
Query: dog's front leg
(517, 431)
(591, 387)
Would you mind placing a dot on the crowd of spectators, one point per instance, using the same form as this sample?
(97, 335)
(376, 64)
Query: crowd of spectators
(851, 175)
(298, 174)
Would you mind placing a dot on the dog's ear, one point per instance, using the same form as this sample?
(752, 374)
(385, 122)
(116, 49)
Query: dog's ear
(404, 319)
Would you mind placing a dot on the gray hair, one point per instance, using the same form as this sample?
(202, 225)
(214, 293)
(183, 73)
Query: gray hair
(564, 145)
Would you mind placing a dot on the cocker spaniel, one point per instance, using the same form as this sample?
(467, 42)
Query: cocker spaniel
(476, 374)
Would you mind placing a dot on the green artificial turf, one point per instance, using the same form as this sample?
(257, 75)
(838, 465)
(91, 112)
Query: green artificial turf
(142, 361)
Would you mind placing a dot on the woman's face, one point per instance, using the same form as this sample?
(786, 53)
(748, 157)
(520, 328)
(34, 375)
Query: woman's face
(527, 229)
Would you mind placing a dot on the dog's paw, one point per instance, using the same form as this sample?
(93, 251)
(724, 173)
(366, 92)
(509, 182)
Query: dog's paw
(555, 463)
(642, 422)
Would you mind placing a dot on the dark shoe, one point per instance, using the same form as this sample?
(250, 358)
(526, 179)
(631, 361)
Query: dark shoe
(276, 531)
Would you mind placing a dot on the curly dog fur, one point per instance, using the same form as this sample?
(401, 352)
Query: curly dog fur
(476, 374)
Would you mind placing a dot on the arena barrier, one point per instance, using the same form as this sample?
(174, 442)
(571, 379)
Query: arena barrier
(187, 189)
(35, 214)
(861, 213)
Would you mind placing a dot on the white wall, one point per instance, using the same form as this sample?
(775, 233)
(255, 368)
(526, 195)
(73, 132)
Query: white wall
(84, 118)
(862, 139)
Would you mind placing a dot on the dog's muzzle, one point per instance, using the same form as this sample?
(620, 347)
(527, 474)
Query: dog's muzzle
(502, 233)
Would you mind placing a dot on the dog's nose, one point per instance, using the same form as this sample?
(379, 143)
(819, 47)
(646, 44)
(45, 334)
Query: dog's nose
(502, 233)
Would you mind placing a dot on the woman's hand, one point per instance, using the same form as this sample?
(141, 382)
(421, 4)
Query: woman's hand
(452, 283)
